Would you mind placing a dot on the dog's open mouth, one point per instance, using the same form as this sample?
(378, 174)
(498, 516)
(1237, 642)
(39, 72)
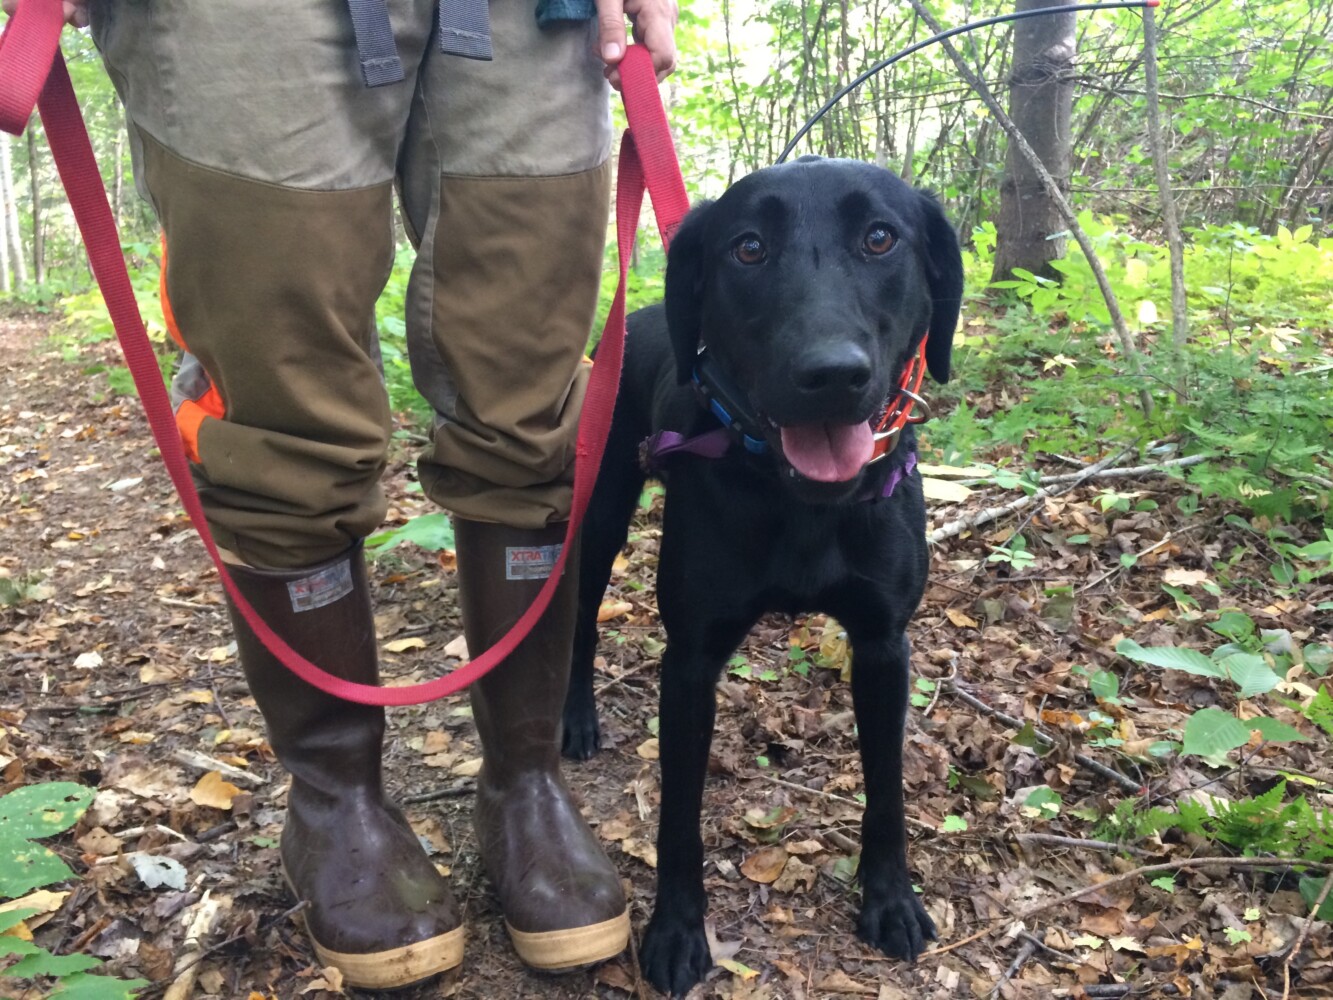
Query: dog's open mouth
(827, 452)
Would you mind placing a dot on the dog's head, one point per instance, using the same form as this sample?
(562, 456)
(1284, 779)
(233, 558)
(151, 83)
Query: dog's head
(811, 284)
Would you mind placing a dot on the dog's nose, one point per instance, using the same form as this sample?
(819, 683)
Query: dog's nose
(832, 369)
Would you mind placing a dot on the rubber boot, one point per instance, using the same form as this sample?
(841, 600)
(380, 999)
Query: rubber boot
(562, 898)
(378, 909)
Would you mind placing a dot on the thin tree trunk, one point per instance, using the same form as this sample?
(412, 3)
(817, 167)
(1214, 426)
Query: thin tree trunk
(5, 282)
(1180, 328)
(38, 232)
(1041, 101)
(14, 238)
(1132, 358)
(118, 178)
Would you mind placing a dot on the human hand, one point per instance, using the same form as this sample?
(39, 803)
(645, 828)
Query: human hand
(654, 24)
(76, 11)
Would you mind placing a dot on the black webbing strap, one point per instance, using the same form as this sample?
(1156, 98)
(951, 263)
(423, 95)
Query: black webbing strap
(465, 30)
(374, 42)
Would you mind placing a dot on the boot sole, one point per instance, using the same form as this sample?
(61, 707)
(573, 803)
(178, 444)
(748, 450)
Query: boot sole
(571, 948)
(393, 968)
(397, 967)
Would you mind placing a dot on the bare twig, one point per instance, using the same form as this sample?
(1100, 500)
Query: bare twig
(1128, 472)
(1123, 780)
(620, 679)
(134, 694)
(1300, 938)
(203, 762)
(1118, 567)
(205, 916)
(453, 791)
(954, 528)
(836, 798)
(1182, 864)
(1056, 197)
(162, 984)
(1015, 967)
(1054, 840)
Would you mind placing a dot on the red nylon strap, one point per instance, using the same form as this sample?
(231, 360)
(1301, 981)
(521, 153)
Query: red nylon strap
(27, 50)
(28, 55)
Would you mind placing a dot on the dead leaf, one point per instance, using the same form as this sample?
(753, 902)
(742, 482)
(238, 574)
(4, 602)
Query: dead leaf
(1102, 921)
(765, 865)
(469, 768)
(88, 661)
(403, 645)
(959, 619)
(330, 978)
(436, 741)
(796, 871)
(944, 490)
(648, 749)
(838, 981)
(804, 847)
(614, 829)
(613, 974)
(45, 902)
(644, 850)
(99, 842)
(457, 648)
(719, 949)
(429, 830)
(737, 969)
(613, 609)
(214, 791)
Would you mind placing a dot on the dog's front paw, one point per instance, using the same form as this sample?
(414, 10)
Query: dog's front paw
(675, 953)
(581, 736)
(896, 923)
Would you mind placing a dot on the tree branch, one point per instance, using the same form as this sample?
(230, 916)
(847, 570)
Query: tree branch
(1058, 199)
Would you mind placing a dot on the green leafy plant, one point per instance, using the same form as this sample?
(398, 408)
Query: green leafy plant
(433, 532)
(27, 815)
(1212, 732)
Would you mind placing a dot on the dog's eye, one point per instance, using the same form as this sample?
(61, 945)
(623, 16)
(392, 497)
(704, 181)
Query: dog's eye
(749, 249)
(878, 239)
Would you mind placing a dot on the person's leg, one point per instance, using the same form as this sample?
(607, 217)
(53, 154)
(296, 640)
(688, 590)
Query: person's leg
(506, 183)
(271, 169)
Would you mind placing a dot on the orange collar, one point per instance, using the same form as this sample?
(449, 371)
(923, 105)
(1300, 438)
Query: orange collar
(900, 411)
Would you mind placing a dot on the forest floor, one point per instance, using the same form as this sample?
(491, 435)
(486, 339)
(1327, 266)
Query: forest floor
(119, 673)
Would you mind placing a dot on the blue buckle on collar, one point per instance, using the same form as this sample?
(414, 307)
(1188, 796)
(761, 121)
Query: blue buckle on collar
(724, 401)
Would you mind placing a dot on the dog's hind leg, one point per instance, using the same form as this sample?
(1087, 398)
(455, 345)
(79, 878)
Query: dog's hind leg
(892, 917)
(605, 528)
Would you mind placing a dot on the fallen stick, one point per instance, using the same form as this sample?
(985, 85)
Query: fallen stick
(1123, 780)
(1167, 866)
(186, 968)
(954, 528)
(1300, 938)
(203, 762)
(1055, 840)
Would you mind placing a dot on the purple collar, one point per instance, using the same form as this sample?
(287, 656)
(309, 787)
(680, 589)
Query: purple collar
(654, 450)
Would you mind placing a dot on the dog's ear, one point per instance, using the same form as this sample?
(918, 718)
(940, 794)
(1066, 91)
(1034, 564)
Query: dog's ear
(944, 270)
(684, 290)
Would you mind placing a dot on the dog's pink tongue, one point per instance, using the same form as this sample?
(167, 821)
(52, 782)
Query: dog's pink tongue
(828, 453)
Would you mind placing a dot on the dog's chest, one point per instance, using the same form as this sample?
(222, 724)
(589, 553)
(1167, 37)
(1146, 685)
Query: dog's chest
(807, 557)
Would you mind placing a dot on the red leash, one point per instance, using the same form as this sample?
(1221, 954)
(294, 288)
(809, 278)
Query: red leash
(31, 65)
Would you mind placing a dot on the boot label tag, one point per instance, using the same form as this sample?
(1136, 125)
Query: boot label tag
(319, 589)
(532, 563)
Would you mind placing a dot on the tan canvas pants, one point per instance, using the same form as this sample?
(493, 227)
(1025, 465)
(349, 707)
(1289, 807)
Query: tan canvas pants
(273, 169)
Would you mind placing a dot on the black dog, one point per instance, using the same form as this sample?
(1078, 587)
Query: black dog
(793, 304)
